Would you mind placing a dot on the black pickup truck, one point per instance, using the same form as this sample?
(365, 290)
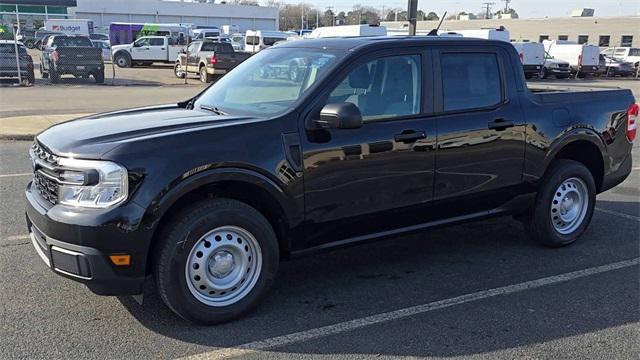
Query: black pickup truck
(209, 59)
(376, 137)
(75, 55)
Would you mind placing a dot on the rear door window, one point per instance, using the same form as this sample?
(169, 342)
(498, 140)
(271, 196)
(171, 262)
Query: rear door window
(470, 80)
(217, 47)
(156, 42)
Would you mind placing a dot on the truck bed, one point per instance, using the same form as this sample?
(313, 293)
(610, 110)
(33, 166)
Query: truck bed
(574, 93)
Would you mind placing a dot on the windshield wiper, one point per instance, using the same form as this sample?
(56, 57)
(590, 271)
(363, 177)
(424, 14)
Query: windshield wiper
(214, 110)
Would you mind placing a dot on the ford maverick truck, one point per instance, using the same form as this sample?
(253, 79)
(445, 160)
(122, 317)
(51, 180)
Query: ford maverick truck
(374, 138)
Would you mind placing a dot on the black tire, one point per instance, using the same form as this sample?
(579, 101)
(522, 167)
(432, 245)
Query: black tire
(204, 75)
(99, 76)
(31, 78)
(54, 76)
(45, 75)
(544, 73)
(562, 76)
(184, 232)
(122, 60)
(528, 76)
(178, 72)
(539, 222)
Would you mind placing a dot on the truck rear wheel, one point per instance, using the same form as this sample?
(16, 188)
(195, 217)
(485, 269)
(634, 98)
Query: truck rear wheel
(122, 60)
(99, 76)
(53, 75)
(564, 204)
(204, 75)
(216, 260)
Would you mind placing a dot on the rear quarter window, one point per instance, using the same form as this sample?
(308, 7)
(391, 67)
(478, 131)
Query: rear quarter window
(217, 47)
(470, 80)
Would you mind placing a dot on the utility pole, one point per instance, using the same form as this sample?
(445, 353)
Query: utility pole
(487, 6)
(412, 15)
(506, 5)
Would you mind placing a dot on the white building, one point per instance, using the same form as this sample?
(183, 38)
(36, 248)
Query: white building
(104, 12)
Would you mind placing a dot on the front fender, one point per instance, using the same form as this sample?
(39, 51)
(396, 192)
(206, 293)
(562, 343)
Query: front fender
(182, 186)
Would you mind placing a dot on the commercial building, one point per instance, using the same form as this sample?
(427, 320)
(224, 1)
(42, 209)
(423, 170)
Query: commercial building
(245, 17)
(31, 14)
(602, 31)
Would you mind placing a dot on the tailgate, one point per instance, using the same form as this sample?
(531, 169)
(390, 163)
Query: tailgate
(229, 60)
(79, 56)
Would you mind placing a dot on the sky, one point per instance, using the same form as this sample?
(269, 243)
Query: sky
(525, 8)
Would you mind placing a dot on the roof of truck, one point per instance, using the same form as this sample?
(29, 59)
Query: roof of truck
(348, 43)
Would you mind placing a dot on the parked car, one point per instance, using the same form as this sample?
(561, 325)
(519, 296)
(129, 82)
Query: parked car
(71, 54)
(207, 195)
(8, 65)
(145, 51)
(237, 40)
(583, 58)
(27, 37)
(41, 37)
(625, 54)
(208, 59)
(559, 68)
(615, 67)
(105, 47)
(97, 36)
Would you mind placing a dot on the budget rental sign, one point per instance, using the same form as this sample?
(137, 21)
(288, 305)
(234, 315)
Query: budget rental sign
(70, 26)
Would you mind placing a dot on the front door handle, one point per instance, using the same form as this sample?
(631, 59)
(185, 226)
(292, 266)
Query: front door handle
(409, 136)
(500, 124)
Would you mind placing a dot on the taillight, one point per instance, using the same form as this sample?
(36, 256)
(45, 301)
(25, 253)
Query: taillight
(55, 56)
(632, 121)
(214, 60)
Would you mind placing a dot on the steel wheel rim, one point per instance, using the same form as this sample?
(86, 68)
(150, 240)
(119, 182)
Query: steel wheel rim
(569, 205)
(223, 266)
(121, 61)
(203, 76)
(178, 70)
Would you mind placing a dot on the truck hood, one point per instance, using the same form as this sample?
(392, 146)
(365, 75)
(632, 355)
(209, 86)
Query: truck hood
(93, 136)
(114, 48)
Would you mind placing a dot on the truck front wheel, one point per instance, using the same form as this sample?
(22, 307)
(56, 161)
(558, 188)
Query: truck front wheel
(178, 71)
(216, 260)
(564, 204)
(123, 60)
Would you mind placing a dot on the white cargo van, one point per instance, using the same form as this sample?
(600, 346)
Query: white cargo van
(500, 34)
(532, 57)
(583, 59)
(70, 26)
(256, 40)
(348, 30)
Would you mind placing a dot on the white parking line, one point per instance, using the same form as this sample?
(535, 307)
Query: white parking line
(616, 213)
(350, 325)
(17, 237)
(15, 175)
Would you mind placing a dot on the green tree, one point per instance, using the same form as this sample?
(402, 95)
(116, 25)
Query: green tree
(432, 16)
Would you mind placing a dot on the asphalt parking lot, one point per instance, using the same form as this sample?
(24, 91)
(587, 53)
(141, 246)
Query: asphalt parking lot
(480, 290)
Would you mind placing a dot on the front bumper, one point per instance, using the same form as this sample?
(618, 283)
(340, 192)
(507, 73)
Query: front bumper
(532, 69)
(77, 246)
(560, 71)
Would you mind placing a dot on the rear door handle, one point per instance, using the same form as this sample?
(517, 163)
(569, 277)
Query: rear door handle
(409, 136)
(500, 124)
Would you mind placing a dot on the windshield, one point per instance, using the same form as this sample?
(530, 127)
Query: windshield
(71, 41)
(634, 52)
(253, 40)
(270, 82)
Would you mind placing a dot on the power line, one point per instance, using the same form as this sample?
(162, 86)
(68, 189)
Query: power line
(487, 7)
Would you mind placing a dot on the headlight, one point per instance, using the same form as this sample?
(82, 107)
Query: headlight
(92, 183)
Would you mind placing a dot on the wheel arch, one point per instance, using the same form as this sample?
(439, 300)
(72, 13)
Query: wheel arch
(584, 146)
(247, 186)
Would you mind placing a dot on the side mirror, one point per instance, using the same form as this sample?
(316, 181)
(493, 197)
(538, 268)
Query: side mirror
(343, 115)
(135, 44)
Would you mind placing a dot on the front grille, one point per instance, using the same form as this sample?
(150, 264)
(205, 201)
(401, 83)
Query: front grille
(47, 188)
(563, 65)
(44, 163)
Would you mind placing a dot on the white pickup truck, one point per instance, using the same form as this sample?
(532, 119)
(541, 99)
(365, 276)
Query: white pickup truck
(145, 51)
